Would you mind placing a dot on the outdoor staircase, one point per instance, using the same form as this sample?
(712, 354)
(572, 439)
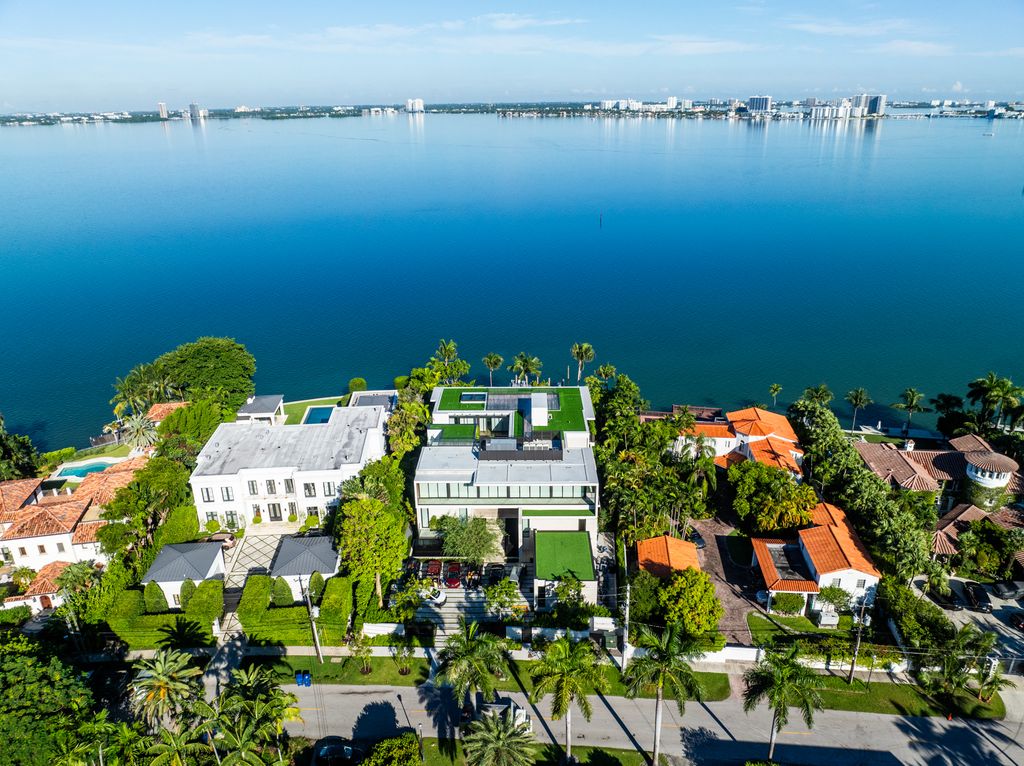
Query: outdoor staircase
(470, 604)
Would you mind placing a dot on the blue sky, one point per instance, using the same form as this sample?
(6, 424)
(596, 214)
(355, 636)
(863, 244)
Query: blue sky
(58, 55)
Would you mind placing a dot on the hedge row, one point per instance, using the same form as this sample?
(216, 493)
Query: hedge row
(255, 601)
(207, 603)
(15, 615)
(128, 620)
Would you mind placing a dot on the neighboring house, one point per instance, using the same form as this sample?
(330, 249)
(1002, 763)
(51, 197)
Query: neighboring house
(158, 412)
(971, 470)
(298, 557)
(185, 561)
(273, 471)
(520, 457)
(16, 495)
(43, 593)
(664, 555)
(386, 398)
(946, 538)
(828, 553)
(63, 527)
(262, 409)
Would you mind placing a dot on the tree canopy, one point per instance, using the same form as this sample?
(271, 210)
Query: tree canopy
(768, 498)
(473, 539)
(372, 541)
(220, 365)
(18, 458)
(689, 601)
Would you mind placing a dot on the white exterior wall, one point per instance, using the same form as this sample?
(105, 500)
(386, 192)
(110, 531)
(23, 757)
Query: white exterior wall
(90, 552)
(560, 524)
(589, 589)
(848, 579)
(298, 582)
(33, 602)
(33, 559)
(172, 588)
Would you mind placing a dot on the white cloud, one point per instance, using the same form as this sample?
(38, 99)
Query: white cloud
(957, 87)
(837, 28)
(909, 48)
(513, 21)
(678, 45)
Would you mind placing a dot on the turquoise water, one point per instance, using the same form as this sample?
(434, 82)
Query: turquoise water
(708, 259)
(85, 470)
(318, 414)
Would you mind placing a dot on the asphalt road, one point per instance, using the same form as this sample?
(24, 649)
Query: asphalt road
(715, 733)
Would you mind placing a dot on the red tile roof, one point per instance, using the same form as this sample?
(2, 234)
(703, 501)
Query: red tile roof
(772, 579)
(955, 521)
(970, 443)
(714, 430)
(834, 546)
(86, 531)
(754, 421)
(159, 412)
(776, 453)
(893, 465)
(942, 544)
(100, 487)
(13, 496)
(45, 582)
(729, 459)
(40, 520)
(663, 555)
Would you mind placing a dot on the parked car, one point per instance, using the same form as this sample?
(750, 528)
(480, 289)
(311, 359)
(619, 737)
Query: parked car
(453, 574)
(977, 597)
(335, 751)
(432, 569)
(495, 573)
(949, 601)
(1008, 590)
(695, 537)
(434, 596)
(226, 539)
(1017, 620)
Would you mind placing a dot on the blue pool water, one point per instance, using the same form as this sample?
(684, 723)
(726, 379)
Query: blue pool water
(85, 470)
(318, 414)
(707, 259)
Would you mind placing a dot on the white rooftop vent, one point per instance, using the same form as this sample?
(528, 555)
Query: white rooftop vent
(539, 410)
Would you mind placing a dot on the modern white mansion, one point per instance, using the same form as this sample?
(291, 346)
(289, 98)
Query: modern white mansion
(250, 468)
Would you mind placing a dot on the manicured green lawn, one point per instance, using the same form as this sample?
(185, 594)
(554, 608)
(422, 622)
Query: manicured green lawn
(451, 399)
(296, 410)
(346, 670)
(879, 439)
(740, 550)
(457, 430)
(766, 627)
(438, 753)
(901, 699)
(569, 416)
(109, 450)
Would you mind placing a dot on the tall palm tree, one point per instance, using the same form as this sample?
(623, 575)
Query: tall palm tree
(990, 683)
(177, 749)
(936, 579)
(78, 577)
(497, 740)
(139, 431)
(469, 660)
(820, 394)
(780, 680)
(163, 685)
(568, 672)
(606, 372)
(910, 402)
(986, 392)
(492, 362)
(944, 404)
(858, 399)
(23, 576)
(773, 391)
(524, 365)
(242, 736)
(665, 665)
(582, 353)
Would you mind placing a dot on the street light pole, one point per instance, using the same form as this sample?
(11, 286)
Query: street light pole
(423, 757)
(856, 648)
(625, 630)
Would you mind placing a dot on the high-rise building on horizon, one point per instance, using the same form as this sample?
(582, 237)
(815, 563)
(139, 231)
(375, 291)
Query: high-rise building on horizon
(671, 102)
(607, 105)
(759, 104)
(876, 104)
(194, 112)
(161, 107)
(414, 105)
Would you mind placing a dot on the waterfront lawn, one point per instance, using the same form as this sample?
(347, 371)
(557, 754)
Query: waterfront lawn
(107, 450)
(716, 685)
(345, 670)
(901, 699)
(295, 411)
(448, 753)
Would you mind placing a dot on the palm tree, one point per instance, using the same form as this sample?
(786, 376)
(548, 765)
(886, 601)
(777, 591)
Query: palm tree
(567, 672)
(78, 577)
(582, 353)
(163, 685)
(497, 740)
(936, 579)
(492, 362)
(176, 749)
(606, 372)
(242, 735)
(944, 404)
(773, 391)
(665, 666)
(910, 402)
(524, 365)
(469, 661)
(779, 679)
(139, 431)
(858, 399)
(820, 394)
(23, 577)
(987, 392)
(990, 683)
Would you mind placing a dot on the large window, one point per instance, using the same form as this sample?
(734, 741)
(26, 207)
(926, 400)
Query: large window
(227, 494)
(271, 487)
(309, 489)
(211, 516)
(253, 488)
(289, 486)
(207, 494)
(232, 519)
(328, 489)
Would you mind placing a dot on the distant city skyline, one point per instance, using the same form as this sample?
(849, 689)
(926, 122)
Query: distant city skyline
(124, 56)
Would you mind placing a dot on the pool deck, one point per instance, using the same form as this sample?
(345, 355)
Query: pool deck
(107, 461)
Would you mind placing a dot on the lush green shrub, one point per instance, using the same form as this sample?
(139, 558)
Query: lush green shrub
(644, 605)
(292, 518)
(188, 589)
(336, 604)
(316, 587)
(364, 593)
(255, 600)
(15, 616)
(400, 382)
(156, 601)
(282, 593)
(397, 751)
(180, 526)
(356, 384)
(213, 526)
(52, 459)
(787, 603)
(286, 625)
(920, 622)
(207, 604)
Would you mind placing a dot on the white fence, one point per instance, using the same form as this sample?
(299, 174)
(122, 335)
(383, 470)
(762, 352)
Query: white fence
(372, 629)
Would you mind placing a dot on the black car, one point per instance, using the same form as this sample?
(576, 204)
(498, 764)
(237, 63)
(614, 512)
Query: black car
(695, 537)
(977, 597)
(1008, 590)
(1017, 620)
(949, 601)
(335, 751)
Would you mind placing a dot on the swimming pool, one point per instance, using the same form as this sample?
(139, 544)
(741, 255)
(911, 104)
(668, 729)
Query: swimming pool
(318, 414)
(86, 468)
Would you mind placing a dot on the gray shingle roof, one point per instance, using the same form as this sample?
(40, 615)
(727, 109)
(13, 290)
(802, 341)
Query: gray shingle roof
(184, 561)
(303, 556)
(261, 405)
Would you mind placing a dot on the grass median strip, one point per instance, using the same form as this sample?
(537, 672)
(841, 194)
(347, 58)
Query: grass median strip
(449, 753)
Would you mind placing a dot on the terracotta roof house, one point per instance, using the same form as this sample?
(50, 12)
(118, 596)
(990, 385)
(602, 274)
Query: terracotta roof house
(159, 412)
(970, 461)
(661, 556)
(43, 592)
(749, 434)
(16, 494)
(828, 553)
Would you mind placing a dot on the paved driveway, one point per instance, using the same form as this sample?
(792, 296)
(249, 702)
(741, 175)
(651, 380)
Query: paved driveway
(731, 580)
(1011, 640)
(252, 556)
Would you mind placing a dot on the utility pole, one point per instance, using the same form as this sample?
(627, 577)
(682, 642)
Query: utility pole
(314, 612)
(625, 630)
(856, 648)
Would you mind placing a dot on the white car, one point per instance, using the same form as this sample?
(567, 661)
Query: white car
(434, 596)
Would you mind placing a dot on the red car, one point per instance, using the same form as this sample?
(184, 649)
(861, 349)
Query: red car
(453, 574)
(433, 569)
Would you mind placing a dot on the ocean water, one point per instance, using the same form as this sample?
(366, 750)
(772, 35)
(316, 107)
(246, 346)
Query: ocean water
(707, 259)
